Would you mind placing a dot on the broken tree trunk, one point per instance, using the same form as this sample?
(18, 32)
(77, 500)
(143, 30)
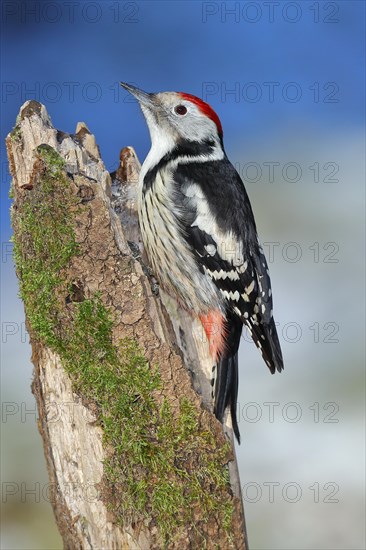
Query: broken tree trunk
(136, 459)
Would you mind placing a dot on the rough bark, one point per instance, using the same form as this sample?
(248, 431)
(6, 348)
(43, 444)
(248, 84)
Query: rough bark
(110, 261)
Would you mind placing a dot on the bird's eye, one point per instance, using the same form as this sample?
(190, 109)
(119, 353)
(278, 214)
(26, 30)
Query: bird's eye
(180, 110)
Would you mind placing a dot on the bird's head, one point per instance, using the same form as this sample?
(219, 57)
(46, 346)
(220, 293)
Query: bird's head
(173, 117)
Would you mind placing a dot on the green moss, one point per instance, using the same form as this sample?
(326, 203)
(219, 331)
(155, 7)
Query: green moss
(15, 134)
(160, 463)
(11, 191)
(44, 243)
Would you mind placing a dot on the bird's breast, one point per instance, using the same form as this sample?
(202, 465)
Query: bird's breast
(169, 253)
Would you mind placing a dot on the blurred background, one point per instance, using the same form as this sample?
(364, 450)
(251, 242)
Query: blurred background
(287, 80)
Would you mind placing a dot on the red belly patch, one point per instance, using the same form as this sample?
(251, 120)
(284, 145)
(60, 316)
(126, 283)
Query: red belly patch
(214, 325)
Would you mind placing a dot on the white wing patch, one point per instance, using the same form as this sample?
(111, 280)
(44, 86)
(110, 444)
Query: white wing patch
(227, 245)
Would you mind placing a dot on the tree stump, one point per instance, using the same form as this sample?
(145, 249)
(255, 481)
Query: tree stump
(135, 456)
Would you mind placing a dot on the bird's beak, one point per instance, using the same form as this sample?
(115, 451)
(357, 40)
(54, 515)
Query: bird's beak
(142, 97)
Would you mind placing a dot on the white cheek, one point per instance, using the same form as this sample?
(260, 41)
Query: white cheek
(197, 128)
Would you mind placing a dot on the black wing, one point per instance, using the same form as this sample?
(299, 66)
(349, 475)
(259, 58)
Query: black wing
(218, 224)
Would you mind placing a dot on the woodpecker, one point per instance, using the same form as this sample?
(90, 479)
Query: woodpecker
(200, 236)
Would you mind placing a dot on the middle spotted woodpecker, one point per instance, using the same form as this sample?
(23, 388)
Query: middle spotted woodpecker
(199, 232)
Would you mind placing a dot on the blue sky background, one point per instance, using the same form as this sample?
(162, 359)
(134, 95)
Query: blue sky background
(311, 55)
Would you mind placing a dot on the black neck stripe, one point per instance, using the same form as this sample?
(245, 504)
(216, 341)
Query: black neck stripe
(183, 149)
